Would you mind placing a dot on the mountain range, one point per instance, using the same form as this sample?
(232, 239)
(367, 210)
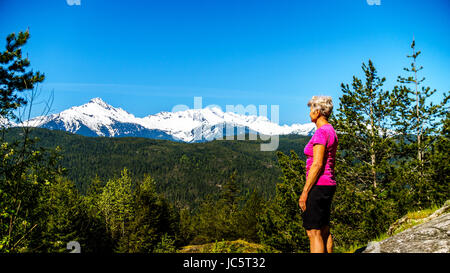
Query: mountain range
(98, 118)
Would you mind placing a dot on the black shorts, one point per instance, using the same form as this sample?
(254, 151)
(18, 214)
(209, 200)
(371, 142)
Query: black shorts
(318, 207)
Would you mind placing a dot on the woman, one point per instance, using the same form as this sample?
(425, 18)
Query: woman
(315, 200)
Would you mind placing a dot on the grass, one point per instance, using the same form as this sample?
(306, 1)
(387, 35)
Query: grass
(238, 246)
(415, 218)
(422, 213)
(348, 249)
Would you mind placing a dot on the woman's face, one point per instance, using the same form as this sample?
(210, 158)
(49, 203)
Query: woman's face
(314, 114)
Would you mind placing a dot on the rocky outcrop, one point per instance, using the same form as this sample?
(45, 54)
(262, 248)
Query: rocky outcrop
(408, 221)
(431, 236)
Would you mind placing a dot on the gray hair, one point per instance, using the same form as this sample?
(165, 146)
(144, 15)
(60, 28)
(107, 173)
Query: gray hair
(322, 103)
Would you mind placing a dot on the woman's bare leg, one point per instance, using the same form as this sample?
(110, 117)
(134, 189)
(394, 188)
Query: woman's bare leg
(327, 239)
(316, 243)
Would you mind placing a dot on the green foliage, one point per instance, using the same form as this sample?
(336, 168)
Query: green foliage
(370, 155)
(166, 245)
(130, 215)
(247, 218)
(115, 204)
(186, 172)
(416, 119)
(230, 192)
(357, 216)
(26, 172)
(362, 121)
(226, 216)
(215, 220)
(65, 217)
(414, 115)
(62, 217)
(439, 188)
(229, 247)
(14, 77)
(154, 222)
(186, 226)
(364, 204)
(280, 225)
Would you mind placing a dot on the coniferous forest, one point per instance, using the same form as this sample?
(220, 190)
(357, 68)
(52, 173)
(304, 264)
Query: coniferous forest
(137, 195)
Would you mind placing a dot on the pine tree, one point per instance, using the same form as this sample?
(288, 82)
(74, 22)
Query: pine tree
(356, 216)
(415, 116)
(64, 217)
(14, 77)
(209, 223)
(230, 191)
(153, 223)
(247, 217)
(362, 207)
(25, 169)
(440, 158)
(115, 204)
(363, 126)
(217, 218)
(416, 120)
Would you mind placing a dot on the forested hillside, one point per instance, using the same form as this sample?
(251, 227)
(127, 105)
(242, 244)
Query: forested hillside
(184, 172)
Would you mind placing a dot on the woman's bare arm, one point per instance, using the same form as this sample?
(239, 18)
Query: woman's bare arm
(314, 171)
(313, 174)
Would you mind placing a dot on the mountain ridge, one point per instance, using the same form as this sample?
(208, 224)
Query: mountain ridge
(98, 118)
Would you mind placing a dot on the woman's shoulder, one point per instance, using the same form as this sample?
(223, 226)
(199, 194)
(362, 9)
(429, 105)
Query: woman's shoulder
(325, 128)
(325, 131)
(330, 131)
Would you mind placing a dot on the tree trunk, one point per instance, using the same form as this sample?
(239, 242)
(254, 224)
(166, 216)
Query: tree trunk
(372, 148)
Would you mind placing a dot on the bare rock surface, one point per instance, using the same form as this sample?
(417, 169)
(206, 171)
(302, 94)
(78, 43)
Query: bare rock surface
(431, 236)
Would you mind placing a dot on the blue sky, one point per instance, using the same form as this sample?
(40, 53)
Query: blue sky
(148, 56)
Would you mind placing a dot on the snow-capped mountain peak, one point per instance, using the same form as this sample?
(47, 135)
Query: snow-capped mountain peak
(99, 101)
(98, 118)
